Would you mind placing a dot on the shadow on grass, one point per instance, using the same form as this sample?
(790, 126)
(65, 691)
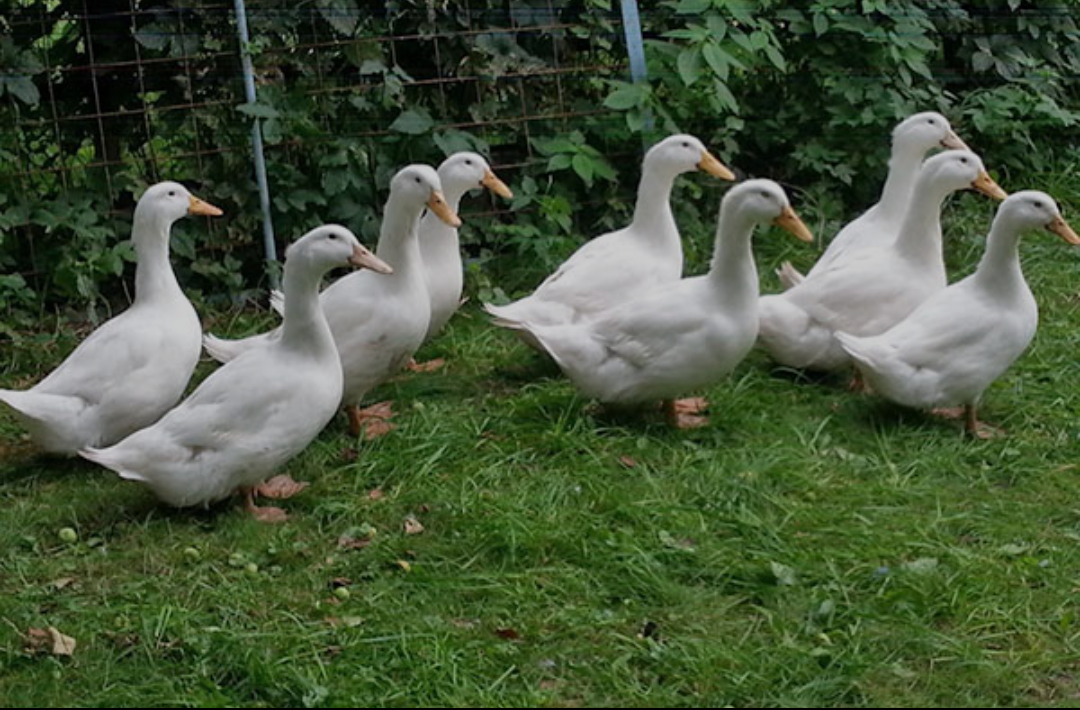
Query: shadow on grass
(873, 412)
(22, 463)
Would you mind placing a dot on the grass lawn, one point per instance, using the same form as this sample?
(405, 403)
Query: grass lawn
(810, 547)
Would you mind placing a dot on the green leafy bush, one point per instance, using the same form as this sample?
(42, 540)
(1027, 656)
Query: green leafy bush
(805, 93)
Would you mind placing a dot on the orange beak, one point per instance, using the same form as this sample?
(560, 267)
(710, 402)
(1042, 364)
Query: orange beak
(362, 258)
(1061, 228)
(986, 185)
(198, 207)
(493, 183)
(790, 221)
(714, 167)
(437, 204)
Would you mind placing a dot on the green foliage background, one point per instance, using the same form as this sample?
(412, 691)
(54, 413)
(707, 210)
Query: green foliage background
(805, 93)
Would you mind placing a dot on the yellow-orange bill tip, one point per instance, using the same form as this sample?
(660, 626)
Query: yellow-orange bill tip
(364, 259)
(492, 182)
(714, 167)
(953, 142)
(1061, 228)
(986, 185)
(790, 221)
(198, 207)
(437, 204)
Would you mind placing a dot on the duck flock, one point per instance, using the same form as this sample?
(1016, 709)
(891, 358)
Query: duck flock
(618, 317)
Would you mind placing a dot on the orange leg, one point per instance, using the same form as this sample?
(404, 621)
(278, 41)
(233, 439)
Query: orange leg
(268, 514)
(685, 413)
(972, 425)
(356, 422)
(978, 429)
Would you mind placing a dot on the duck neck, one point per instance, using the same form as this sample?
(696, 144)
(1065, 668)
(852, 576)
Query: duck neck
(999, 269)
(919, 238)
(733, 270)
(652, 212)
(453, 191)
(398, 244)
(304, 326)
(900, 183)
(440, 239)
(154, 277)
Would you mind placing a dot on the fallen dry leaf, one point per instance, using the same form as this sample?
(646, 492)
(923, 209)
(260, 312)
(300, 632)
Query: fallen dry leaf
(405, 566)
(508, 634)
(347, 622)
(627, 461)
(340, 582)
(281, 487)
(348, 542)
(36, 640)
(59, 584)
(49, 640)
(413, 526)
(349, 454)
(465, 623)
(376, 494)
(424, 508)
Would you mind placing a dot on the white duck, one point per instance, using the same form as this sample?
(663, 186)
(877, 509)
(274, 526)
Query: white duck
(614, 266)
(953, 346)
(258, 411)
(440, 249)
(378, 321)
(679, 336)
(876, 228)
(874, 290)
(135, 367)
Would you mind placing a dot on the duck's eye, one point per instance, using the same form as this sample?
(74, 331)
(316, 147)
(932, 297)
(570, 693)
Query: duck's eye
(417, 181)
(930, 121)
(172, 193)
(468, 162)
(333, 235)
(964, 161)
(685, 145)
(1039, 205)
(765, 194)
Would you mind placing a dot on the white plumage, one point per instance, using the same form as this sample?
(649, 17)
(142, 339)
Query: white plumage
(953, 346)
(134, 367)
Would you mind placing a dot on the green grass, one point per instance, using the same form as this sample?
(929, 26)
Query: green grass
(810, 547)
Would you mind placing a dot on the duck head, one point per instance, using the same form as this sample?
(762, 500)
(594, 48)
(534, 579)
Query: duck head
(166, 202)
(1031, 209)
(683, 153)
(466, 171)
(765, 202)
(923, 131)
(960, 170)
(419, 186)
(330, 246)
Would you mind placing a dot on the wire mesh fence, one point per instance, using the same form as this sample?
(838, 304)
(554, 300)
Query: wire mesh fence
(99, 98)
(123, 93)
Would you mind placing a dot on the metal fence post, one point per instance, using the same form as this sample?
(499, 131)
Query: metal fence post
(635, 47)
(635, 44)
(257, 146)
